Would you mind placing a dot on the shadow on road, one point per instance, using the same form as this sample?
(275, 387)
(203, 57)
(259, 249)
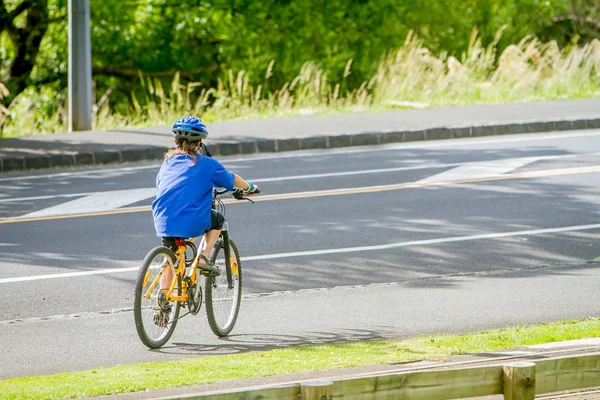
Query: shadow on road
(235, 344)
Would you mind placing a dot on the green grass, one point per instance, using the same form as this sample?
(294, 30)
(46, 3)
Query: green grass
(203, 370)
(407, 78)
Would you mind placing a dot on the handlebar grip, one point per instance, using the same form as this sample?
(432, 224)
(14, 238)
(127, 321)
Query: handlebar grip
(238, 194)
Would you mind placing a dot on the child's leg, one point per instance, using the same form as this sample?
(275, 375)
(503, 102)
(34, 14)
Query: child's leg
(167, 277)
(211, 238)
(216, 224)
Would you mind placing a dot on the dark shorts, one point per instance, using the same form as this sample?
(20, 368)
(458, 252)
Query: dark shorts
(217, 220)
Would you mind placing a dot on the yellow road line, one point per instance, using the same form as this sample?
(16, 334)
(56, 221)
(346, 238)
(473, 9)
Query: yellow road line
(337, 192)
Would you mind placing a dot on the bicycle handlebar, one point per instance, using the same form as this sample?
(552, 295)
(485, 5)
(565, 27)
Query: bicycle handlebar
(223, 191)
(237, 194)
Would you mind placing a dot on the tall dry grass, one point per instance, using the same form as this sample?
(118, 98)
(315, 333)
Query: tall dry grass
(409, 77)
(527, 71)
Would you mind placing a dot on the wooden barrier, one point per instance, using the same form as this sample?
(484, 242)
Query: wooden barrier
(566, 373)
(315, 390)
(423, 385)
(516, 381)
(519, 381)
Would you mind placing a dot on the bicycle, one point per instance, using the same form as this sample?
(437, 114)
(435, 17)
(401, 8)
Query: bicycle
(156, 311)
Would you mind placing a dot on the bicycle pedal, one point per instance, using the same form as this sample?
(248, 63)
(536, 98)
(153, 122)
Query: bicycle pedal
(209, 270)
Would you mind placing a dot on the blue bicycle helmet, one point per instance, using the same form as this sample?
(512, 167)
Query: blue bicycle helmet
(189, 128)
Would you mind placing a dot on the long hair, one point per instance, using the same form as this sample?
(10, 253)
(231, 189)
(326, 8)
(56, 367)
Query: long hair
(192, 149)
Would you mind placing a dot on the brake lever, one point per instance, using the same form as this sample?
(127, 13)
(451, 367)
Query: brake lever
(238, 194)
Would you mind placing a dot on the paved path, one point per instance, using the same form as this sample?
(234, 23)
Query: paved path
(411, 246)
(318, 316)
(303, 132)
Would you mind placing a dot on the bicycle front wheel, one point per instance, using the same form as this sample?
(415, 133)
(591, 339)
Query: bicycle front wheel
(222, 302)
(155, 318)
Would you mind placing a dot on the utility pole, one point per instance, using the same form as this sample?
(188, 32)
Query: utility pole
(80, 66)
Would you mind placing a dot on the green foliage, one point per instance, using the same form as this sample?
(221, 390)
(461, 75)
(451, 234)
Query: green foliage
(274, 44)
(412, 76)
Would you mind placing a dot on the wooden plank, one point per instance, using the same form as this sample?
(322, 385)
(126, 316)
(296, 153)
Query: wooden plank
(519, 381)
(291, 392)
(567, 373)
(315, 390)
(425, 385)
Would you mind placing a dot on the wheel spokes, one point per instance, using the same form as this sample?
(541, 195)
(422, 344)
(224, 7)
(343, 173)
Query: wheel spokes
(156, 313)
(223, 298)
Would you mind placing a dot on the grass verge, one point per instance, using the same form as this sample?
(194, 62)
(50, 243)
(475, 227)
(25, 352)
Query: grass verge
(148, 376)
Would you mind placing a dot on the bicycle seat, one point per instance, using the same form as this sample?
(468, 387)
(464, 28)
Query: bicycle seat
(173, 242)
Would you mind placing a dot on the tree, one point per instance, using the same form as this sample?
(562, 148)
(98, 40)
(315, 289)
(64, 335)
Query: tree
(26, 23)
(200, 41)
(580, 22)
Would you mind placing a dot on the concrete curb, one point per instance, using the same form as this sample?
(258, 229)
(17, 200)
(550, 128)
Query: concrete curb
(229, 148)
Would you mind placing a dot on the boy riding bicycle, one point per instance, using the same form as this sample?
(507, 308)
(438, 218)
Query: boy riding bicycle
(184, 190)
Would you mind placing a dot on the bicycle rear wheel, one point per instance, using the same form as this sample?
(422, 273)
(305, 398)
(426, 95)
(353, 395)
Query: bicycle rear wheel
(155, 319)
(223, 303)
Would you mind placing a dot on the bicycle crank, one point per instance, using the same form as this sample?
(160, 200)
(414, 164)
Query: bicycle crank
(194, 302)
(161, 318)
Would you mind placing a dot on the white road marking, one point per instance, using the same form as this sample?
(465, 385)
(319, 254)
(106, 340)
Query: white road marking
(480, 170)
(96, 202)
(67, 275)
(342, 250)
(51, 175)
(350, 173)
(423, 242)
(50, 196)
(7, 187)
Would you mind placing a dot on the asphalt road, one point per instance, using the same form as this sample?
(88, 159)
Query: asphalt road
(390, 241)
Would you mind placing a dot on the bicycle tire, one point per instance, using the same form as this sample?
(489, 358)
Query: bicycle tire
(222, 303)
(153, 333)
